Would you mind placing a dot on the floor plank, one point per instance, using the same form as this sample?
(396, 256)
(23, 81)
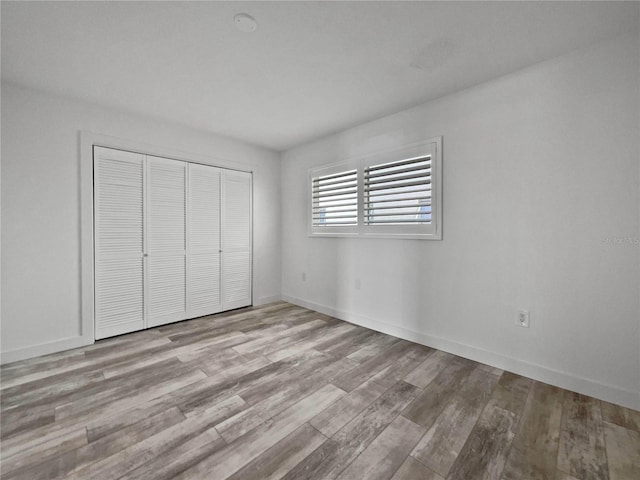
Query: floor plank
(345, 343)
(33, 440)
(443, 442)
(433, 399)
(374, 347)
(412, 469)
(344, 410)
(533, 454)
(287, 394)
(283, 456)
(178, 459)
(330, 459)
(156, 446)
(59, 465)
(236, 455)
(582, 450)
(484, 454)
(330, 334)
(624, 417)
(623, 451)
(17, 461)
(382, 458)
(511, 392)
(411, 357)
(429, 369)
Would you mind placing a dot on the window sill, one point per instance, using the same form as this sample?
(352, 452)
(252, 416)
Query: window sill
(396, 236)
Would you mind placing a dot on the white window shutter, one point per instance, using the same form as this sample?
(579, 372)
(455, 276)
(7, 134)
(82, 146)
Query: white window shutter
(398, 193)
(393, 193)
(335, 199)
(203, 241)
(119, 230)
(166, 261)
(236, 239)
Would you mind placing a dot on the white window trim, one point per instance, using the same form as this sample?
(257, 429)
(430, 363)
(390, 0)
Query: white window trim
(432, 231)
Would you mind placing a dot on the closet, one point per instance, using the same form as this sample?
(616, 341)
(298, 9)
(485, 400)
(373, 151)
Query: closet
(172, 240)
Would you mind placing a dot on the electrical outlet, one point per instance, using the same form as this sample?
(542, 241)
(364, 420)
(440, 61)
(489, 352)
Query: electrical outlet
(522, 319)
(304, 276)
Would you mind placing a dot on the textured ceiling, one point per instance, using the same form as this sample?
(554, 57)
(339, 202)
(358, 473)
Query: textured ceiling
(311, 68)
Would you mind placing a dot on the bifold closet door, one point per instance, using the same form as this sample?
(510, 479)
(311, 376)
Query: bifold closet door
(172, 240)
(203, 240)
(236, 239)
(166, 241)
(118, 242)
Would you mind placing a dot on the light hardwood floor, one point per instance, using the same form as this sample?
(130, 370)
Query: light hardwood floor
(283, 392)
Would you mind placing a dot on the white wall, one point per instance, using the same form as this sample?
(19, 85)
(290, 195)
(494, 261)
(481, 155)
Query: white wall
(41, 229)
(541, 181)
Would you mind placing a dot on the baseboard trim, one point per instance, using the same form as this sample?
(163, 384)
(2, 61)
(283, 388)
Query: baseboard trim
(44, 349)
(264, 300)
(586, 386)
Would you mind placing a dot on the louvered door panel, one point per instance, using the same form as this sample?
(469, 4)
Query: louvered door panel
(203, 248)
(236, 239)
(167, 285)
(166, 231)
(118, 238)
(237, 280)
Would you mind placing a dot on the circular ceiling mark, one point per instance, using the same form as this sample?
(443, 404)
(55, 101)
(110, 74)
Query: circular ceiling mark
(245, 22)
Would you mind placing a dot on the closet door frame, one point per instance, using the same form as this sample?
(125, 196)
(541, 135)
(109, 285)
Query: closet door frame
(87, 140)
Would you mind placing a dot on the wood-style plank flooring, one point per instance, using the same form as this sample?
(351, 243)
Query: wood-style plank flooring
(281, 392)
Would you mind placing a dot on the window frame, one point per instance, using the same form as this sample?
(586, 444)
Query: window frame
(419, 231)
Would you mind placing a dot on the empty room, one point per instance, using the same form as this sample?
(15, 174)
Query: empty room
(320, 240)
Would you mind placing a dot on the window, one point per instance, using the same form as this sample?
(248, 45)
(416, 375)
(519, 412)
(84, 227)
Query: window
(387, 194)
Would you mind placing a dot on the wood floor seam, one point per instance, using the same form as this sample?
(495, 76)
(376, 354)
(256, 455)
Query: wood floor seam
(319, 432)
(425, 466)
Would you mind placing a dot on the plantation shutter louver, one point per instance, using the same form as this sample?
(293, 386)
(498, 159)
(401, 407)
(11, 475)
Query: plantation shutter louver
(398, 193)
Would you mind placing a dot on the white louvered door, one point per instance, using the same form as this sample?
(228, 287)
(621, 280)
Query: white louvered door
(118, 239)
(172, 241)
(166, 241)
(203, 241)
(236, 239)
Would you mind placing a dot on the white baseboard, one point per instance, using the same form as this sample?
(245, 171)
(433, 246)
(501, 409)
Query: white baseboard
(264, 300)
(541, 373)
(43, 349)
